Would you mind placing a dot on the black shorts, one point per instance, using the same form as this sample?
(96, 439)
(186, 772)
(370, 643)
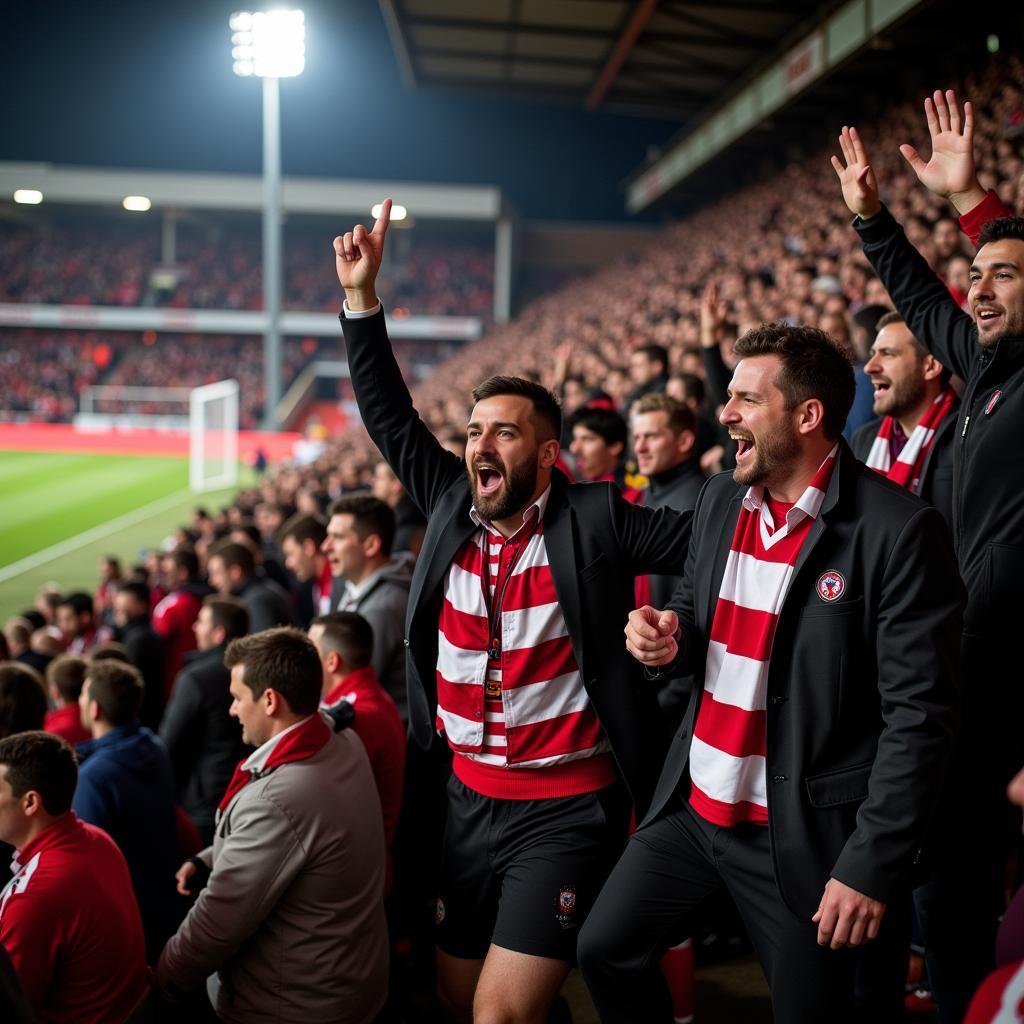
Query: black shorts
(523, 874)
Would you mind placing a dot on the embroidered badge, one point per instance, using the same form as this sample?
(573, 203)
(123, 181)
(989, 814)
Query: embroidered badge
(831, 585)
(566, 908)
(439, 911)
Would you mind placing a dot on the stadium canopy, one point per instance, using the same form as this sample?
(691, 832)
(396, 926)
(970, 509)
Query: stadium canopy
(723, 68)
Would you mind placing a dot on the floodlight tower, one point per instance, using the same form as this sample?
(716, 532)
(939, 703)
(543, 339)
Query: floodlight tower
(270, 45)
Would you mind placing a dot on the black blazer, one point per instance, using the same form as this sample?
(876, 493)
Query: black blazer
(596, 543)
(863, 691)
(936, 483)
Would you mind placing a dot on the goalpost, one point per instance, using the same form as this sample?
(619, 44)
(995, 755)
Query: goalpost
(213, 436)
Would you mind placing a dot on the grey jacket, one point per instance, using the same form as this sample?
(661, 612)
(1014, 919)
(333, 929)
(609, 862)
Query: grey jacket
(290, 928)
(382, 601)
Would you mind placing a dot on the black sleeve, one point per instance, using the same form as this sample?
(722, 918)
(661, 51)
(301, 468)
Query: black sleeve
(181, 728)
(931, 313)
(654, 540)
(718, 375)
(415, 456)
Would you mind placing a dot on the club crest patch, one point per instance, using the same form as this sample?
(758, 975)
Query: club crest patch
(566, 908)
(831, 585)
(439, 911)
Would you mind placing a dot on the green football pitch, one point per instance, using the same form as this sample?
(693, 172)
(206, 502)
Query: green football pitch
(59, 513)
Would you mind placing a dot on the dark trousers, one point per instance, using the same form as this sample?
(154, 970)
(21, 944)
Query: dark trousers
(667, 869)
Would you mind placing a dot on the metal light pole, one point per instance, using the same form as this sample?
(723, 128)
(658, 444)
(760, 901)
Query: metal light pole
(272, 46)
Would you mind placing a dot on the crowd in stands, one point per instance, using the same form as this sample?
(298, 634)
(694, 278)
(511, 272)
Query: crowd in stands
(292, 601)
(111, 264)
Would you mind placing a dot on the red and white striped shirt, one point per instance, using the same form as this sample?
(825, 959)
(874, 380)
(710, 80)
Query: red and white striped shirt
(727, 753)
(515, 711)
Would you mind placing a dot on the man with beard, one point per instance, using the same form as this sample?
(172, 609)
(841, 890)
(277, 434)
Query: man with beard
(985, 348)
(911, 442)
(820, 606)
(521, 586)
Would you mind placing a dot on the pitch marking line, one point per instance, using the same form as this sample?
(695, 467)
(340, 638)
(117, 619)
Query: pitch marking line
(65, 547)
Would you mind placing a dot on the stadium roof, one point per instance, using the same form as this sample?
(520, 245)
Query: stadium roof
(635, 56)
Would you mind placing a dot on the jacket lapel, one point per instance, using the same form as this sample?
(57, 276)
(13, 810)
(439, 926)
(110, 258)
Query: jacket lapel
(561, 550)
(722, 546)
(844, 470)
(454, 532)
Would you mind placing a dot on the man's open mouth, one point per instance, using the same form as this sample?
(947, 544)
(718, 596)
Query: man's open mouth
(988, 314)
(881, 387)
(488, 478)
(745, 445)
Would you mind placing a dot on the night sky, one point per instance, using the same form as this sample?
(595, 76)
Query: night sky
(148, 85)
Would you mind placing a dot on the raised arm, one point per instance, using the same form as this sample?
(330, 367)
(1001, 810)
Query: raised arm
(425, 469)
(712, 319)
(931, 313)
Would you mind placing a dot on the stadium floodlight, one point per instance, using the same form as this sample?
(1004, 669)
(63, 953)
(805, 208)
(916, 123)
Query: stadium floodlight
(270, 45)
(28, 196)
(137, 204)
(398, 212)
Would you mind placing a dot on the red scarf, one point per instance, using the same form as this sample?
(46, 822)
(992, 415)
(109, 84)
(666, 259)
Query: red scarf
(908, 467)
(303, 741)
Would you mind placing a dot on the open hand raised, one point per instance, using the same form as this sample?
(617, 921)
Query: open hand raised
(860, 189)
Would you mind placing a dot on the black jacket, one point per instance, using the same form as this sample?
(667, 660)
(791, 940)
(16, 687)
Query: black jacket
(988, 462)
(268, 604)
(936, 483)
(146, 650)
(678, 488)
(596, 542)
(203, 740)
(862, 692)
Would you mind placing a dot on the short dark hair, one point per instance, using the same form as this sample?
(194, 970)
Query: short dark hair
(547, 412)
(283, 660)
(693, 386)
(185, 558)
(250, 529)
(23, 700)
(79, 601)
(655, 353)
(113, 561)
(678, 417)
(1002, 228)
(302, 527)
(44, 763)
(813, 366)
(66, 675)
(348, 634)
(229, 614)
(117, 688)
(369, 515)
(137, 589)
(606, 423)
(232, 553)
(110, 651)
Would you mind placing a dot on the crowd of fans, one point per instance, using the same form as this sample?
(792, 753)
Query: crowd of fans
(112, 265)
(174, 646)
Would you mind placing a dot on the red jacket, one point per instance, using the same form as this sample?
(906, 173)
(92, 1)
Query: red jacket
(70, 924)
(380, 728)
(173, 619)
(67, 723)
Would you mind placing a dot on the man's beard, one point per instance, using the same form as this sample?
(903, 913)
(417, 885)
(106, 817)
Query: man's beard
(902, 397)
(517, 489)
(771, 452)
(1013, 327)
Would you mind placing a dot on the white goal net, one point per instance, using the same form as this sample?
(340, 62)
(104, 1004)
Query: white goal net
(213, 436)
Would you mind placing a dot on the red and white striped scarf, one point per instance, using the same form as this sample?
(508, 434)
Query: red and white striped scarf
(906, 470)
(727, 753)
(521, 725)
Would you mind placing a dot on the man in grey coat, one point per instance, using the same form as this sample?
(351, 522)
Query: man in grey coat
(360, 535)
(290, 925)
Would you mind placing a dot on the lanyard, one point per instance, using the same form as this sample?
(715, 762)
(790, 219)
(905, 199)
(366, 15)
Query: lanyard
(494, 607)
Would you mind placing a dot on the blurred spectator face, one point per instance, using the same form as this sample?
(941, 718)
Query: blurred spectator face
(344, 550)
(896, 371)
(763, 429)
(204, 629)
(17, 633)
(657, 448)
(574, 395)
(71, 624)
(643, 369)
(837, 327)
(503, 455)
(676, 389)
(250, 713)
(109, 571)
(300, 558)
(127, 607)
(595, 458)
(385, 486)
(945, 238)
(691, 362)
(269, 519)
(997, 290)
(876, 295)
(958, 273)
(220, 578)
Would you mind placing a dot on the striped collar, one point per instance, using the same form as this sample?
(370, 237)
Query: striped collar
(530, 518)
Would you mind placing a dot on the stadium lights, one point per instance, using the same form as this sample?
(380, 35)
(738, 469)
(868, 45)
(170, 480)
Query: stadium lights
(397, 212)
(268, 44)
(137, 204)
(28, 196)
